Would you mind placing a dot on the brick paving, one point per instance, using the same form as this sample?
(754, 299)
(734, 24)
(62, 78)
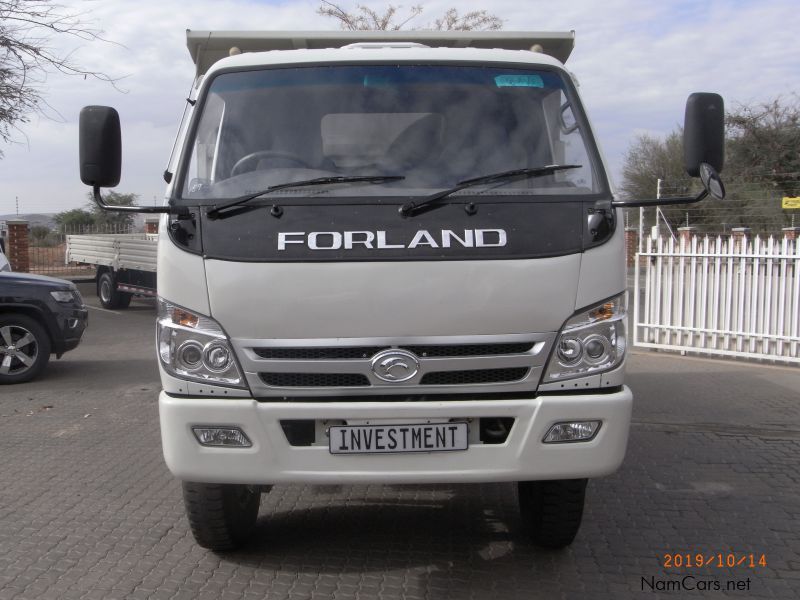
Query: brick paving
(88, 509)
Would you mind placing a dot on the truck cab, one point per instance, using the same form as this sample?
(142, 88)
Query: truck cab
(392, 258)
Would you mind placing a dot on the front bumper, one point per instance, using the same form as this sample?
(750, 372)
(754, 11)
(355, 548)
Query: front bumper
(271, 459)
(71, 323)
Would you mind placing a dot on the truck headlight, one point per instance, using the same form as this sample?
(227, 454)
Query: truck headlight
(591, 341)
(194, 347)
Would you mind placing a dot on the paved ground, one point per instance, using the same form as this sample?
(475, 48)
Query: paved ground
(88, 509)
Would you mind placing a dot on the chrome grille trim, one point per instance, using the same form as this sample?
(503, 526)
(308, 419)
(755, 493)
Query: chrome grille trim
(357, 352)
(343, 359)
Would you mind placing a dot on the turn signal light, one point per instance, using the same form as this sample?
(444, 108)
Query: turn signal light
(603, 312)
(185, 318)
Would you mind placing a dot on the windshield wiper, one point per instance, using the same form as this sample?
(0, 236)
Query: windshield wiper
(409, 208)
(218, 210)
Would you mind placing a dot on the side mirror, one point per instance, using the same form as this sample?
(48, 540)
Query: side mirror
(712, 182)
(704, 133)
(703, 152)
(100, 146)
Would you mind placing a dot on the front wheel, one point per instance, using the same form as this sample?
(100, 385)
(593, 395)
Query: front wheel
(24, 348)
(552, 511)
(222, 516)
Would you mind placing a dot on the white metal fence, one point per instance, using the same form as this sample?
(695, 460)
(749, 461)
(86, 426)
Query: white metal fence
(722, 296)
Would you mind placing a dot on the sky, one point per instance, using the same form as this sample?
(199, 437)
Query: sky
(636, 62)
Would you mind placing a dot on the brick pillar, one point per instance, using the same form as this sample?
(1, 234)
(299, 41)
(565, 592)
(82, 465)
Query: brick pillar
(151, 225)
(685, 235)
(631, 244)
(738, 234)
(18, 246)
(790, 233)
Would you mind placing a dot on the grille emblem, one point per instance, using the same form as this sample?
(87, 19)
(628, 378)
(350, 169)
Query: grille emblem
(395, 366)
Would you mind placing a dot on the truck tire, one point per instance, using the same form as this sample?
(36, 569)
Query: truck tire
(24, 348)
(222, 516)
(551, 511)
(110, 296)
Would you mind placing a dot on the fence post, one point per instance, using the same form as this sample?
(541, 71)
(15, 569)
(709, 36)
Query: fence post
(151, 225)
(631, 244)
(18, 246)
(790, 233)
(739, 234)
(685, 236)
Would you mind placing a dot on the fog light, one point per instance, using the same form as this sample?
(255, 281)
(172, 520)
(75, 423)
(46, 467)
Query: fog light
(221, 436)
(572, 431)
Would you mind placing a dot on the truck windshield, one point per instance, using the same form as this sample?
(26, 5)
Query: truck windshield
(434, 125)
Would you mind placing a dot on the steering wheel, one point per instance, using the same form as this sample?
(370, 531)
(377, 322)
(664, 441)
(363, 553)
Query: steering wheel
(251, 160)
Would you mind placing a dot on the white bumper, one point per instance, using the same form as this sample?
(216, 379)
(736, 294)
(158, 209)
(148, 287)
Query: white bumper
(272, 459)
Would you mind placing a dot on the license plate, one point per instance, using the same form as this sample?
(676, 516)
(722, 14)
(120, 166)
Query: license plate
(385, 439)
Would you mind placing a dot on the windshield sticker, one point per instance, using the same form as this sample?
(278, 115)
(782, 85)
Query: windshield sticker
(519, 81)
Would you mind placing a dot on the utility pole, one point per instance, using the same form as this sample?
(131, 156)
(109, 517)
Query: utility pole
(17, 199)
(660, 215)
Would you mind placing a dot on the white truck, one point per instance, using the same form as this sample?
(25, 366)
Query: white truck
(125, 264)
(392, 257)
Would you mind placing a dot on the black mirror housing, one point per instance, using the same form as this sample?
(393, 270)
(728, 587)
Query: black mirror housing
(100, 146)
(704, 132)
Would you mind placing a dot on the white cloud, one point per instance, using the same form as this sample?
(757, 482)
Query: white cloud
(636, 63)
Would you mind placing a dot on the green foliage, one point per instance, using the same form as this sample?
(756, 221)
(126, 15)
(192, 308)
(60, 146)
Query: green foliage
(38, 232)
(93, 219)
(650, 159)
(42, 236)
(76, 219)
(763, 145)
(115, 220)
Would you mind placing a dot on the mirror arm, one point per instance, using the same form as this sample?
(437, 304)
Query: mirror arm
(98, 199)
(660, 201)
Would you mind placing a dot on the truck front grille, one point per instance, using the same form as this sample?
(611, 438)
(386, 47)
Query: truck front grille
(330, 353)
(473, 377)
(315, 379)
(469, 349)
(335, 368)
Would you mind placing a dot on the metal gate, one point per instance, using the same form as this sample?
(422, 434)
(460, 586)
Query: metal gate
(721, 296)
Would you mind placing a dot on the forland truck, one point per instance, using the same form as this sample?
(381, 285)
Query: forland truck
(390, 257)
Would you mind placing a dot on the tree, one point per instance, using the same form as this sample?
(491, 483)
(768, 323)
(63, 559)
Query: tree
(74, 220)
(650, 159)
(761, 166)
(764, 145)
(92, 217)
(27, 28)
(113, 220)
(39, 232)
(364, 18)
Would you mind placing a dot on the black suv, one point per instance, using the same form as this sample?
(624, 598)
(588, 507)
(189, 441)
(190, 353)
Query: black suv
(39, 316)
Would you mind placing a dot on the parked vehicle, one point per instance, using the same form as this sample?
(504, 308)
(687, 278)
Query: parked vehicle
(388, 262)
(39, 316)
(125, 262)
(4, 264)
